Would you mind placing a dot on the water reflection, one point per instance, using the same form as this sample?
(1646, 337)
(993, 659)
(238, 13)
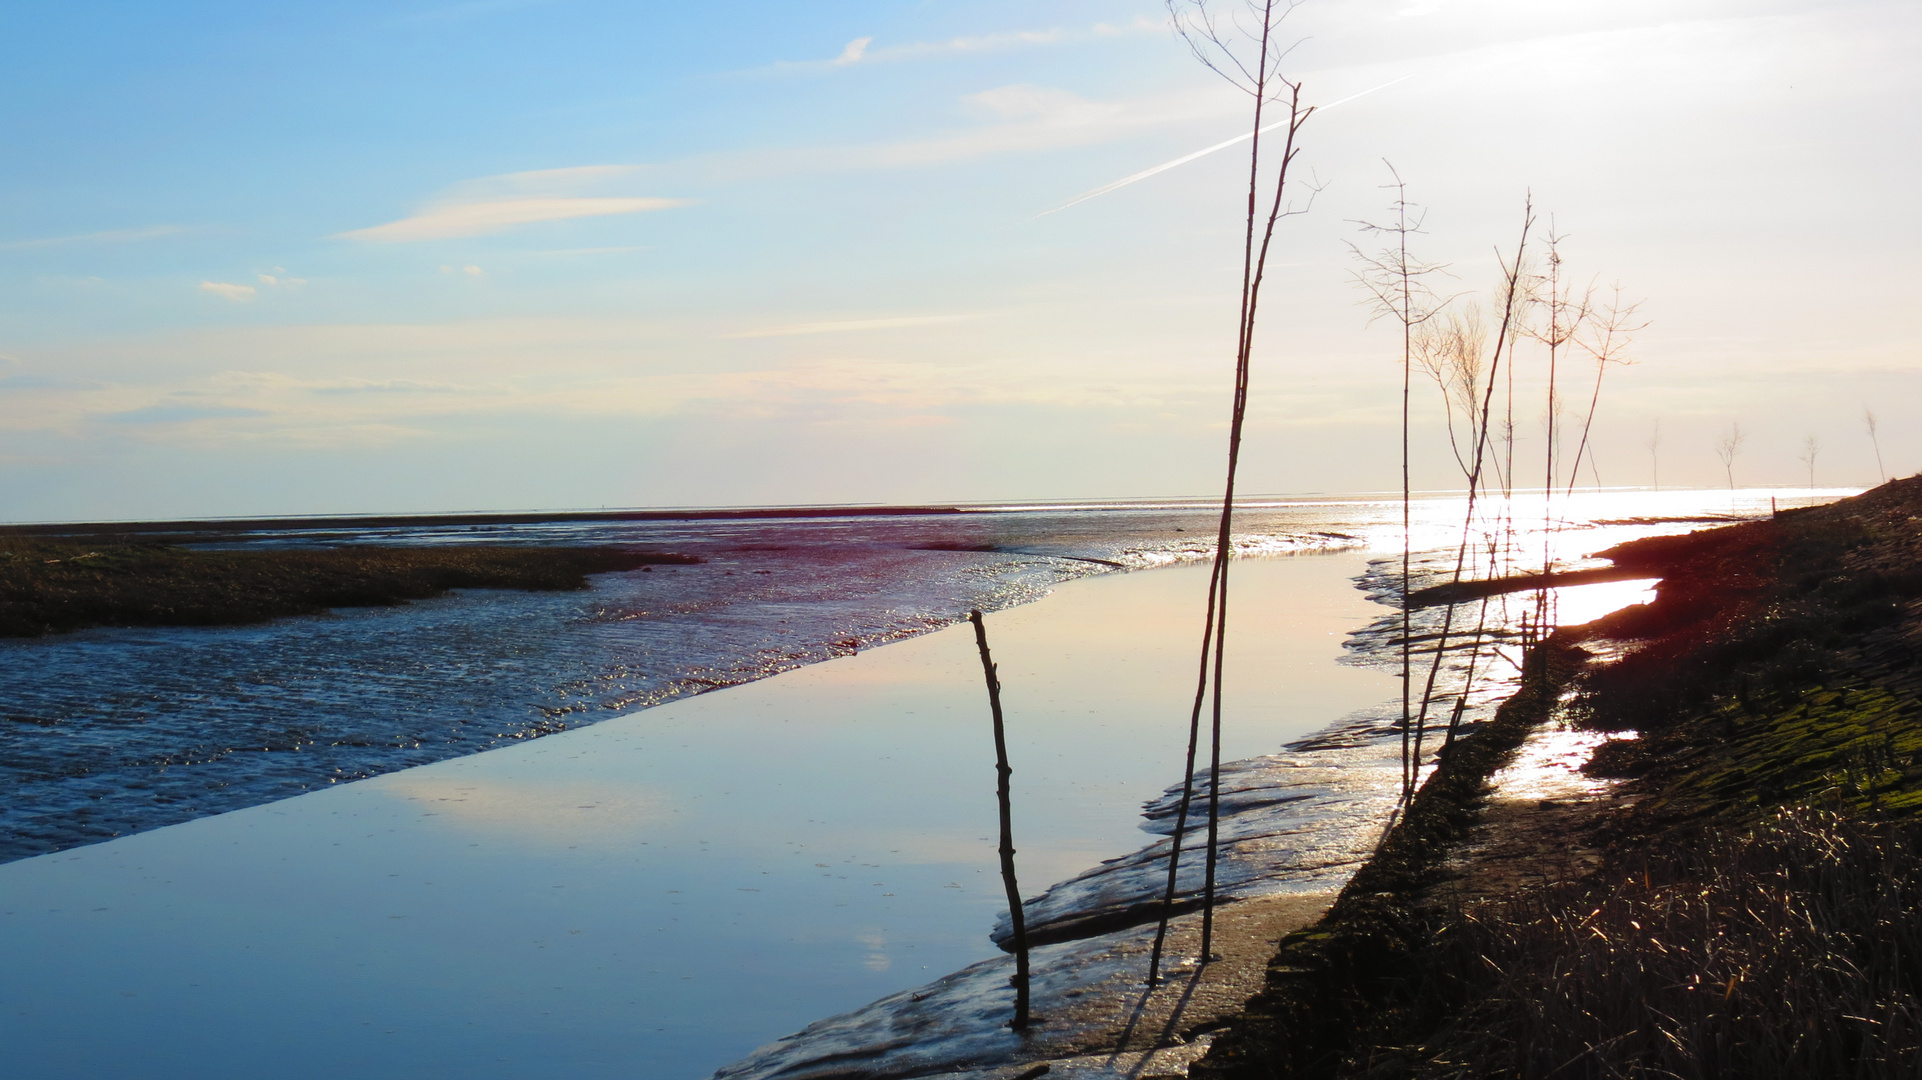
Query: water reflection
(666, 890)
(535, 810)
(672, 888)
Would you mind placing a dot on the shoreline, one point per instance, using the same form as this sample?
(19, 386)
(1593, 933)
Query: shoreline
(1780, 712)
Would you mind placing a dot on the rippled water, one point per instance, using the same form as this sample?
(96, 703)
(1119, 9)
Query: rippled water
(109, 732)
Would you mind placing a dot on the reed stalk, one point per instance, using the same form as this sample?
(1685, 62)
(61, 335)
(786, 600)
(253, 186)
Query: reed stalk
(1220, 47)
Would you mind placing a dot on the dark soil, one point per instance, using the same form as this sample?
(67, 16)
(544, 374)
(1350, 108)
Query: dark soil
(56, 585)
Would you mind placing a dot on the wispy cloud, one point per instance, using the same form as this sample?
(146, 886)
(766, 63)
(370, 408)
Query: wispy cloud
(847, 326)
(853, 53)
(447, 221)
(1013, 119)
(182, 414)
(861, 50)
(383, 386)
(240, 294)
(108, 236)
(1186, 158)
(497, 203)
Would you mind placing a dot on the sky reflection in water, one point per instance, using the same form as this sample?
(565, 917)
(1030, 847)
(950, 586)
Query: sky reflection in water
(668, 889)
(671, 888)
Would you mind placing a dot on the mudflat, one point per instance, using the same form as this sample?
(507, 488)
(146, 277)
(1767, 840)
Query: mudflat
(51, 585)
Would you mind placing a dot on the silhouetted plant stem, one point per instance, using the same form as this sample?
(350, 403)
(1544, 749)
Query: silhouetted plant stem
(1397, 287)
(1187, 779)
(1003, 772)
(1605, 346)
(1871, 426)
(1505, 336)
(1263, 81)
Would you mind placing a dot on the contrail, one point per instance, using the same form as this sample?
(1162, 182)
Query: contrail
(1185, 159)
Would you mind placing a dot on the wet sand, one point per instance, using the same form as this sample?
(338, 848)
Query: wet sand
(1121, 1028)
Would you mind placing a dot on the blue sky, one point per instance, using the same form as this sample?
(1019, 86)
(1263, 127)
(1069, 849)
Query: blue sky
(355, 257)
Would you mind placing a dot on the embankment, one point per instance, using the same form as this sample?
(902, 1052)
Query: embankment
(1747, 910)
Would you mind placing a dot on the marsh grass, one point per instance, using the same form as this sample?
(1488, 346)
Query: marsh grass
(55, 585)
(1784, 950)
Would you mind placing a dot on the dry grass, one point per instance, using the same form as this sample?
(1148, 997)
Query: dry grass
(1785, 950)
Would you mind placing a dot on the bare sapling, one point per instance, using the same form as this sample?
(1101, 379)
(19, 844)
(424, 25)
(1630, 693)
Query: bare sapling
(1451, 351)
(1868, 422)
(1235, 39)
(1510, 298)
(1002, 771)
(1610, 330)
(1811, 446)
(1728, 447)
(1563, 316)
(1397, 287)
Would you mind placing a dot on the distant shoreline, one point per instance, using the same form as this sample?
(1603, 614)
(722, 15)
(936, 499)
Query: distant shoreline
(393, 521)
(52, 586)
(761, 513)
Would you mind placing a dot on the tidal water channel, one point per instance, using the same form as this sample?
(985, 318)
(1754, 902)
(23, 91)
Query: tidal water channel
(662, 891)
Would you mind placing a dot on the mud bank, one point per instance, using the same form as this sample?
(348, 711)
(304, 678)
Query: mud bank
(1721, 888)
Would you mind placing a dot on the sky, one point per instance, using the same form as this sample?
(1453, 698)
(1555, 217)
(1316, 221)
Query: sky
(423, 256)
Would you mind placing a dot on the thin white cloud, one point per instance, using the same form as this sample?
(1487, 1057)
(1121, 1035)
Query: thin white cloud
(278, 280)
(862, 51)
(109, 236)
(1186, 158)
(383, 386)
(182, 414)
(852, 325)
(982, 43)
(571, 180)
(1020, 118)
(855, 50)
(495, 204)
(447, 221)
(229, 290)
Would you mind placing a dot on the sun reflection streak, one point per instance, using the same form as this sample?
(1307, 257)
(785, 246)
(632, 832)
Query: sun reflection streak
(1549, 766)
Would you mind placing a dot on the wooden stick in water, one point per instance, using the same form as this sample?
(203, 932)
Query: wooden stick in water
(1020, 1022)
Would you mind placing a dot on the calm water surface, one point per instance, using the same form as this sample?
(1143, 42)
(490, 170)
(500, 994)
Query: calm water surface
(660, 892)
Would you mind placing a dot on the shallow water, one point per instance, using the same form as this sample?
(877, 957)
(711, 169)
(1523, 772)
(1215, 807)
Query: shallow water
(670, 888)
(663, 891)
(107, 732)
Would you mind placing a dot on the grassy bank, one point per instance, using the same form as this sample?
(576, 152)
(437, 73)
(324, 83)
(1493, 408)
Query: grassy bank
(1752, 915)
(53, 585)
